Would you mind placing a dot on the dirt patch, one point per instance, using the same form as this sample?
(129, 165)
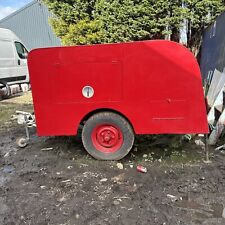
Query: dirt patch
(54, 181)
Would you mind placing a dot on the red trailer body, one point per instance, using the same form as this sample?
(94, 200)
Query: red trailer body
(155, 85)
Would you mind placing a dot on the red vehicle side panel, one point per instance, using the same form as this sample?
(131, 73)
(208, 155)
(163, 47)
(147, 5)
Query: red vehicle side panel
(156, 85)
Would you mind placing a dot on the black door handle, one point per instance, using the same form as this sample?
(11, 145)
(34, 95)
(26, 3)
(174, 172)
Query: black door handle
(18, 61)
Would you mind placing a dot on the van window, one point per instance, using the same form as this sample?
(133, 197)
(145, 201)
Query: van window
(6, 50)
(21, 50)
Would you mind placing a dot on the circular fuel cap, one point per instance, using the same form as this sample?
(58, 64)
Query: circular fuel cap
(88, 91)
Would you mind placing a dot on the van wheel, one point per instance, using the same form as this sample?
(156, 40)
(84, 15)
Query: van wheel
(7, 88)
(107, 136)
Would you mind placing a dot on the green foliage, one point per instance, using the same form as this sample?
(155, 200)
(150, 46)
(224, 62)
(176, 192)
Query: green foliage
(105, 21)
(85, 31)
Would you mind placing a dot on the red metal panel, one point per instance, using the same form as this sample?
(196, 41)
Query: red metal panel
(156, 85)
(94, 72)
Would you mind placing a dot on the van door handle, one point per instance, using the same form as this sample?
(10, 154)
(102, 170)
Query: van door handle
(18, 61)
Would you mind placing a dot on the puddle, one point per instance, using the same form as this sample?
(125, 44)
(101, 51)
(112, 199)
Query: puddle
(201, 211)
(8, 169)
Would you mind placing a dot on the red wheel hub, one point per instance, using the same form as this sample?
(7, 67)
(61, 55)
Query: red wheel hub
(107, 138)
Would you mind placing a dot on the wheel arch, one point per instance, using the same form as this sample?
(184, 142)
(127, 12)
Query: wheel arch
(91, 113)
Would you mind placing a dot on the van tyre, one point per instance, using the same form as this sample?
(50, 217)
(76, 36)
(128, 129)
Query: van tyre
(8, 90)
(107, 136)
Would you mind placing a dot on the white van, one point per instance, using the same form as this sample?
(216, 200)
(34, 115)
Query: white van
(13, 59)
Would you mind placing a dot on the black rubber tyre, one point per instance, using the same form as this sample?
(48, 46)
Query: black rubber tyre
(112, 119)
(8, 90)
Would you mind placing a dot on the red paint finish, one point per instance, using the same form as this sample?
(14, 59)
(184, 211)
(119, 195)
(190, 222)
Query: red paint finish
(107, 138)
(156, 85)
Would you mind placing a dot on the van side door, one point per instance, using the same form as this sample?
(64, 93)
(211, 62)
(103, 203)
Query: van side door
(7, 60)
